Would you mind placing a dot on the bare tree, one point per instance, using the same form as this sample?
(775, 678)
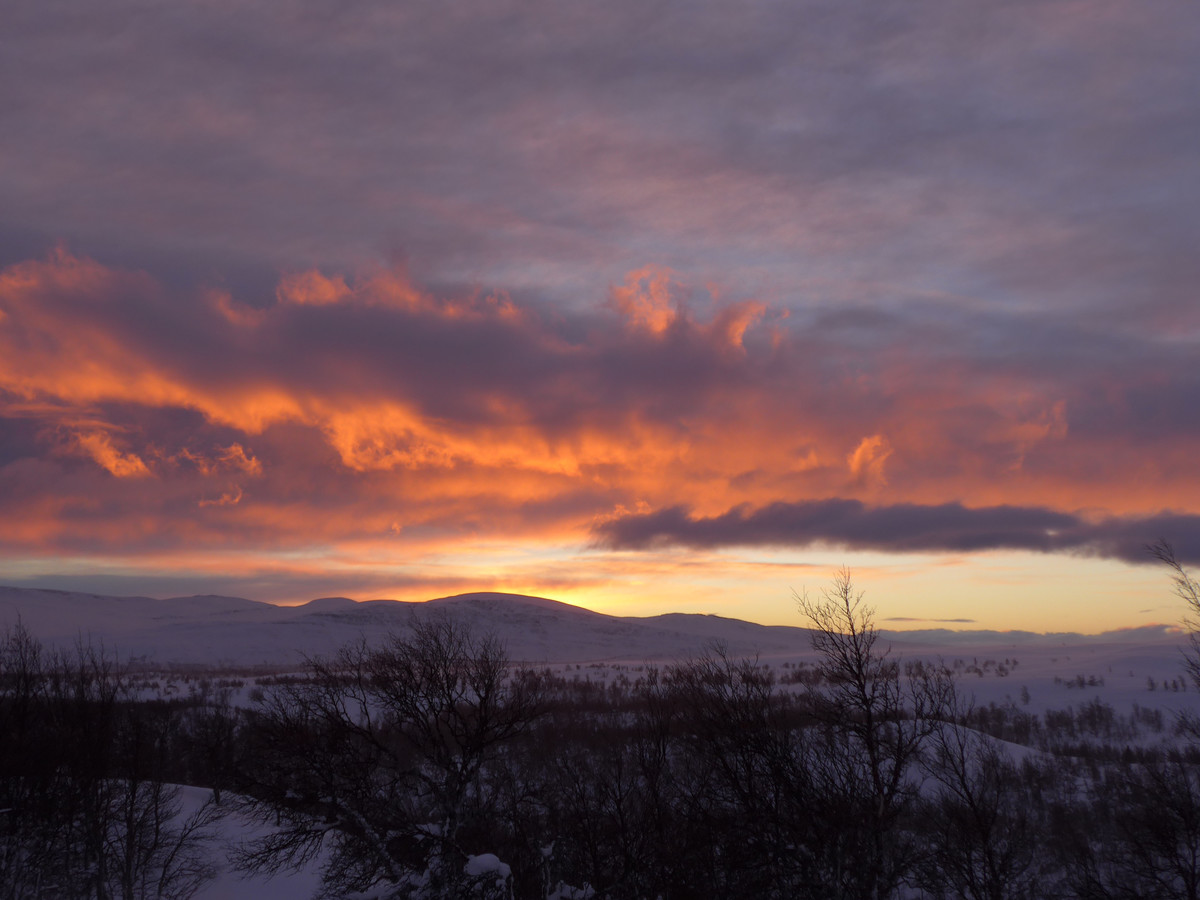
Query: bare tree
(611, 807)
(378, 758)
(1188, 590)
(747, 776)
(29, 820)
(982, 831)
(155, 850)
(878, 715)
(84, 814)
(1136, 835)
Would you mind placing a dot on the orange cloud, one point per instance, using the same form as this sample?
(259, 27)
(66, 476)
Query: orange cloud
(229, 498)
(372, 414)
(867, 459)
(731, 323)
(312, 289)
(233, 458)
(236, 457)
(648, 299)
(99, 446)
(233, 312)
(388, 289)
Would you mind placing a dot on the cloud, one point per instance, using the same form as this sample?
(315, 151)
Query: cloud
(233, 458)
(906, 528)
(312, 289)
(230, 498)
(515, 272)
(99, 446)
(1028, 155)
(648, 299)
(452, 413)
(867, 459)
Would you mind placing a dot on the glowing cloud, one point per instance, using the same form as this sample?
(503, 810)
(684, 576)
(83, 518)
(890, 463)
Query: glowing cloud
(452, 289)
(365, 417)
(867, 459)
(440, 399)
(99, 446)
(648, 299)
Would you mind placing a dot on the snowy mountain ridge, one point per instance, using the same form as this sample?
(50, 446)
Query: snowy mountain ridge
(220, 630)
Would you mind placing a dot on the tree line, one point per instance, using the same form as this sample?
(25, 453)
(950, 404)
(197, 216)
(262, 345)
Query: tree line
(430, 767)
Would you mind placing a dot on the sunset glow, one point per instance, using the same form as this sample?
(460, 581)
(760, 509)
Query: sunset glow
(679, 317)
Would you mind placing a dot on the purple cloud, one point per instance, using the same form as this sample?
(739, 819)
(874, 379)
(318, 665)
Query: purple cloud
(905, 528)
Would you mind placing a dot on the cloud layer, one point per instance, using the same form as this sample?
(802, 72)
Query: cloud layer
(908, 528)
(368, 408)
(379, 282)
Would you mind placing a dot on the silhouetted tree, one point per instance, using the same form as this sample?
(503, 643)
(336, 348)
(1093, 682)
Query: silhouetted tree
(1188, 590)
(747, 760)
(85, 810)
(1136, 833)
(877, 717)
(982, 830)
(378, 759)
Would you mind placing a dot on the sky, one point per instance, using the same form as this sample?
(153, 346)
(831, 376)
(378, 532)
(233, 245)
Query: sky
(642, 306)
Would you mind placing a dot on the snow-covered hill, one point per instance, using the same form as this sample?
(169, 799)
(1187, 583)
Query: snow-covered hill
(234, 632)
(1033, 671)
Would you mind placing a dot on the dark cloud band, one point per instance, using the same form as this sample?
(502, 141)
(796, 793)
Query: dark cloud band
(906, 528)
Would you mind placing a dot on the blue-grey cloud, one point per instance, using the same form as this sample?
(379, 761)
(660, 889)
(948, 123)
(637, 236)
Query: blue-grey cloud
(1038, 153)
(905, 528)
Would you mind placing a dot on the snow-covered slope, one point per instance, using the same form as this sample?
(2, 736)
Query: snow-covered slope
(1035, 672)
(231, 631)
